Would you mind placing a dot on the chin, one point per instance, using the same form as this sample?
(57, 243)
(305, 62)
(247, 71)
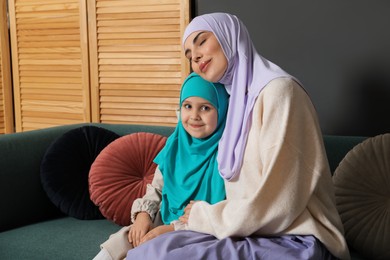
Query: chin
(197, 135)
(213, 77)
(210, 78)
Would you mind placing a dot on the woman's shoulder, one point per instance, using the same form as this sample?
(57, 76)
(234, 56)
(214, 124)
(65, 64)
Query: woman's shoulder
(283, 87)
(280, 84)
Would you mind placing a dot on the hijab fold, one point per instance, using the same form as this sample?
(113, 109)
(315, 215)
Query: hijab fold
(246, 75)
(188, 164)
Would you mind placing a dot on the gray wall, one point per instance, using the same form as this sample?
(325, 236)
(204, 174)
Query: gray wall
(340, 51)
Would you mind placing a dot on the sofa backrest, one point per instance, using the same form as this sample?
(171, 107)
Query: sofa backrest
(22, 198)
(338, 146)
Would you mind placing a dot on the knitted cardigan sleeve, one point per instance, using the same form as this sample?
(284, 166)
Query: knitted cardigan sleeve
(283, 160)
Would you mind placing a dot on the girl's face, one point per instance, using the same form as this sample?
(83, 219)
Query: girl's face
(199, 117)
(206, 55)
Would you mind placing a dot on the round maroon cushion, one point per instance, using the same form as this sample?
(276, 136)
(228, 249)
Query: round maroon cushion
(120, 173)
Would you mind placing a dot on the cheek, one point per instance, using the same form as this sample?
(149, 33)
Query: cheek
(195, 68)
(222, 60)
(221, 63)
(213, 121)
(183, 116)
(216, 49)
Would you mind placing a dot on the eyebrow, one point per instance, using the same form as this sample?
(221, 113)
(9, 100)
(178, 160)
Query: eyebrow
(194, 41)
(207, 103)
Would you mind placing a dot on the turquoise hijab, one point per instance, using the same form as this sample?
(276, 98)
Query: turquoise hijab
(188, 164)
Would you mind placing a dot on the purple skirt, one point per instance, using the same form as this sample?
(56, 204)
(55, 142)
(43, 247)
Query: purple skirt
(193, 245)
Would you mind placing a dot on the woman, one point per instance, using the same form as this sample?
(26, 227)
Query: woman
(280, 201)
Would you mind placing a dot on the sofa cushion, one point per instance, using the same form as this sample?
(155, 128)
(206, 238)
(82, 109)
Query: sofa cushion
(62, 238)
(362, 186)
(121, 172)
(65, 168)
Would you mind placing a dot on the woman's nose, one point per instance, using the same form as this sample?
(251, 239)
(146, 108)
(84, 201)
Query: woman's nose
(196, 55)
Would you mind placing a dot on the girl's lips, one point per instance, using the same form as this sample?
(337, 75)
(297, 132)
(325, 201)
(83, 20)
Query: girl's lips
(203, 66)
(196, 126)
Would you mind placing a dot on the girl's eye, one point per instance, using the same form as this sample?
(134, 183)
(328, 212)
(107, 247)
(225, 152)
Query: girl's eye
(187, 106)
(205, 108)
(201, 42)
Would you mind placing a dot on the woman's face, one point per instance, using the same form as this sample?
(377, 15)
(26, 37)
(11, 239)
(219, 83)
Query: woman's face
(206, 55)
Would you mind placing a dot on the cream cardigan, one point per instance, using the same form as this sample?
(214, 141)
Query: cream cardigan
(285, 184)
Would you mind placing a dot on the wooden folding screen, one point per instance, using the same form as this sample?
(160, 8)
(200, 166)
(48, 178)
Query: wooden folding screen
(111, 61)
(50, 62)
(6, 111)
(137, 65)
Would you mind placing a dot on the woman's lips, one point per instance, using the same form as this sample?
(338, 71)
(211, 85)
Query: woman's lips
(203, 66)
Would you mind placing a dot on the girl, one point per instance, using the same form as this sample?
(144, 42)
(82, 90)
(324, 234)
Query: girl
(187, 169)
(279, 193)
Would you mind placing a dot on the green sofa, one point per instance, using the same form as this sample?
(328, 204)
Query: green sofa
(31, 227)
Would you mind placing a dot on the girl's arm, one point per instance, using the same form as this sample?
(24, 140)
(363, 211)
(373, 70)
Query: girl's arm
(144, 210)
(150, 202)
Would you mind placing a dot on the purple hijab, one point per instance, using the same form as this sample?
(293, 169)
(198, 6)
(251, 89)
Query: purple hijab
(247, 74)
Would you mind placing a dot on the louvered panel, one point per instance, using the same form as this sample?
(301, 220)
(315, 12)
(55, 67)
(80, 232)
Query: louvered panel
(6, 111)
(50, 63)
(138, 68)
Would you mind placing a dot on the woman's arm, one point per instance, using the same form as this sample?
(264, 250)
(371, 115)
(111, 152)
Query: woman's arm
(283, 162)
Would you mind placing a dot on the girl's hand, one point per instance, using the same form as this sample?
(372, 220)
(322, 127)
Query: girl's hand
(155, 232)
(187, 211)
(141, 226)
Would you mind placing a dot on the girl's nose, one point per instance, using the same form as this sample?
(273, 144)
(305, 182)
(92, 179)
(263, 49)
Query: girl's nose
(195, 115)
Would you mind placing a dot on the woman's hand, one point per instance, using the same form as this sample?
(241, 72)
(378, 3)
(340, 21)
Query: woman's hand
(187, 211)
(138, 230)
(155, 232)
